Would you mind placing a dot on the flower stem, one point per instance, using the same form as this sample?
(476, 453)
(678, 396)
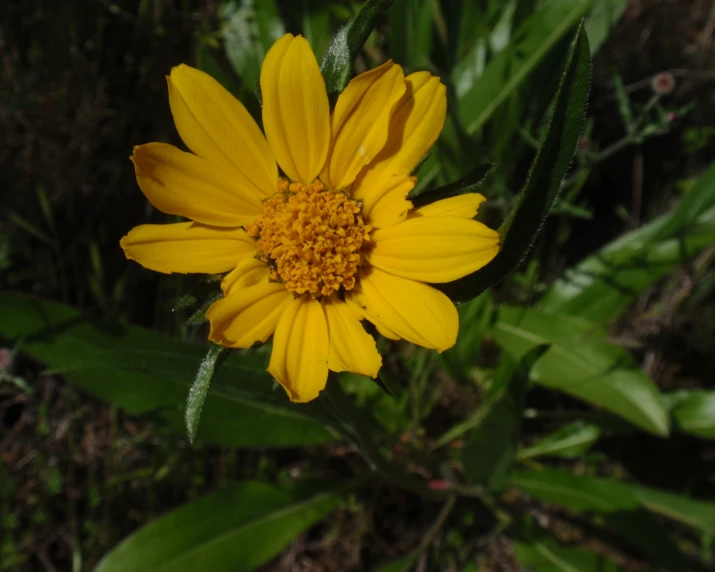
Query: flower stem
(361, 436)
(432, 533)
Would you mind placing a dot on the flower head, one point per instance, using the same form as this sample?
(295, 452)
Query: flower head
(330, 240)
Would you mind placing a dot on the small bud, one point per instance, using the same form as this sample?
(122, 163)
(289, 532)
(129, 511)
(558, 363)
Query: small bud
(671, 117)
(663, 83)
(583, 144)
(439, 485)
(5, 359)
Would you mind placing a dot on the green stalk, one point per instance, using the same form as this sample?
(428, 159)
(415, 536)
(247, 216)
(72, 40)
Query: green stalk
(362, 438)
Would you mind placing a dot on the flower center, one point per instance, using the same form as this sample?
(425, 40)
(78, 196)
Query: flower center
(311, 237)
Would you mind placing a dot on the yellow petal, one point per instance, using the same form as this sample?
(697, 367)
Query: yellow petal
(360, 122)
(217, 127)
(249, 271)
(391, 207)
(296, 116)
(351, 347)
(353, 304)
(184, 184)
(434, 249)
(414, 127)
(389, 334)
(247, 316)
(408, 309)
(299, 360)
(465, 205)
(187, 247)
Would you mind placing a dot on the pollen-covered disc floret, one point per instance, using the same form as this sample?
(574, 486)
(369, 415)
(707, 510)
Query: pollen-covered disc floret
(311, 237)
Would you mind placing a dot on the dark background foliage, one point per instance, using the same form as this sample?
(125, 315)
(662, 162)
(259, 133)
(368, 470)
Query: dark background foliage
(81, 83)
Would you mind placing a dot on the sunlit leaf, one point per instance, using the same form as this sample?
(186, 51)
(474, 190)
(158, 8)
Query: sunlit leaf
(603, 285)
(234, 530)
(569, 441)
(602, 496)
(508, 70)
(582, 363)
(200, 388)
(694, 412)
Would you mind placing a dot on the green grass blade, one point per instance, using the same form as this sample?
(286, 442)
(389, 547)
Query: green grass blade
(348, 42)
(522, 225)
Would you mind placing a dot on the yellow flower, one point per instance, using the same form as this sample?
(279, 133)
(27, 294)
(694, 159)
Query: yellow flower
(331, 239)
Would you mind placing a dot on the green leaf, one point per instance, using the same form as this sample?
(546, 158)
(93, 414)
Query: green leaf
(653, 539)
(602, 19)
(475, 320)
(603, 496)
(568, 442)
(694, 413)
(348, 42)
(185, 301)
(403, 564)
(249, 28)
(469, 184)
(237, 529)
(200, 388)
(491, 449)
(315, 24)
(149, 374)
(575, 493)
(522, 225)
(410, 37)
(605, 284)
(695, 513)
(511, 67)
(547, 556)
(582, 363)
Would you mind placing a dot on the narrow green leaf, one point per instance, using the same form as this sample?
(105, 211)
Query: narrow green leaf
(491, 449)
(249, 28)
(640, 529)
(522, 225)
(234, 530)
(568, 442)
(475, 321)
(697, 201)
(547, 556)
(185, 301)
(348, 42)
(269, 23)
(696, 513)
(508, 70)
(410, 37)
(603, 285)
(149, 374)
(469, 184)
(694, 413)
(403, 564)
(602, 496)
(200, 388)
(315, 23)
(198, 317)
(602, 19)
(582, 363)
